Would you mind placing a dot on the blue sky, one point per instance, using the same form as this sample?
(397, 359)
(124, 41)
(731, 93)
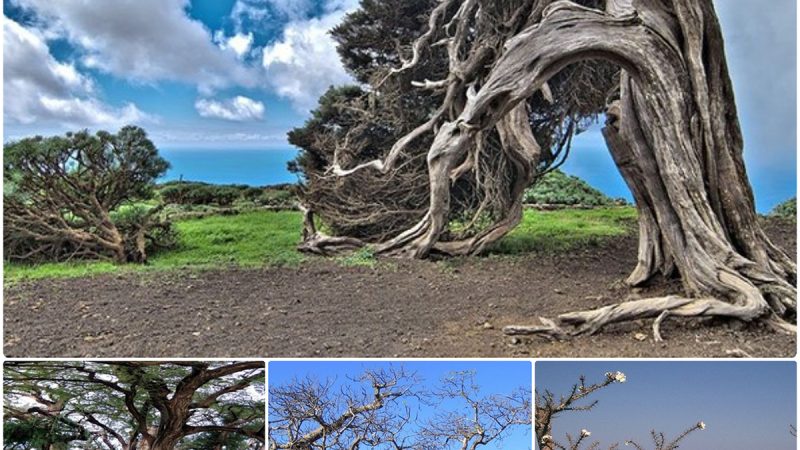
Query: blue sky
(238, 74)
(745, 405)
(492, 377)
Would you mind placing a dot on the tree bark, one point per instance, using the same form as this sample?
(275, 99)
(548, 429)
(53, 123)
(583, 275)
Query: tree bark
(674, 133)
(678, 145)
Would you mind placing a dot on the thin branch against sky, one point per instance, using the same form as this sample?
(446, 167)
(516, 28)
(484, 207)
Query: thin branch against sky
(732, 399)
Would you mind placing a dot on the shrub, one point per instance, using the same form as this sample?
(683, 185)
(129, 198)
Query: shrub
(276, 198)
(787, 209)
(558, 188)
(194, 193)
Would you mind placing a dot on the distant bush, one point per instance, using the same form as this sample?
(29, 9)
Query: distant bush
(558, 188)
(197, 193)
(787, 209)
(276, 198)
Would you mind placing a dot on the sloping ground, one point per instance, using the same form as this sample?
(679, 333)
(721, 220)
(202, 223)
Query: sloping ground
(453, 308)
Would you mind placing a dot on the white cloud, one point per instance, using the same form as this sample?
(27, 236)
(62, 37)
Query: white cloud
(238, 109)
(145, 41)
(239, 43)
(304, 62)
(38, 88)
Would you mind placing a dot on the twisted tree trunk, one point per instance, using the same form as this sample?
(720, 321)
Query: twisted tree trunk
(675, 135)
(673, 132)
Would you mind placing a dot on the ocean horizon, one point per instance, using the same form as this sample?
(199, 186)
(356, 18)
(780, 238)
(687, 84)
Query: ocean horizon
(267, 166)
(254, 167)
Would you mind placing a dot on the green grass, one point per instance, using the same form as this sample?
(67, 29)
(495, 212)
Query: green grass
(253, 239)
(562, 230)
(267, 238)
(363, 257)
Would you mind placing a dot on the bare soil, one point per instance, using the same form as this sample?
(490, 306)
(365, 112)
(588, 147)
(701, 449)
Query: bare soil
(400, 308)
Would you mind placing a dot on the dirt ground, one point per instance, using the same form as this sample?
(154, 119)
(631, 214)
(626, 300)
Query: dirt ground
(401, 308)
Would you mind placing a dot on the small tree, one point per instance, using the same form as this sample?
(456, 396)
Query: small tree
(549, 408)
(133, 405)
(63, 194)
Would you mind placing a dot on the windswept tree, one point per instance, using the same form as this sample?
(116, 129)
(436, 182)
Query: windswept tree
(510, 83)
(72, 197)
(375, 411)
(549, 408)
(133, 405)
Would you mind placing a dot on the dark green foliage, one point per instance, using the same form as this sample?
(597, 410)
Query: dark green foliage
(558, 188)
(198, 193)
(787, 209)
(369, 38)
(37, 432)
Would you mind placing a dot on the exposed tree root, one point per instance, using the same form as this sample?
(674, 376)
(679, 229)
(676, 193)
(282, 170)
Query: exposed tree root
(752, 306)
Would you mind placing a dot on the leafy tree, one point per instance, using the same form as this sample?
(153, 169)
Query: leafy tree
(133, 405)
(63, 193)
(393, 118)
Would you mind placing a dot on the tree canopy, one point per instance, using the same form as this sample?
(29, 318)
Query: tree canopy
(133, 405)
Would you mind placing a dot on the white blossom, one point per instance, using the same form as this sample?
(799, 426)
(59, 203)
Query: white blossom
(619, 377)
(585, 433)
(701, 425)
(546, 438)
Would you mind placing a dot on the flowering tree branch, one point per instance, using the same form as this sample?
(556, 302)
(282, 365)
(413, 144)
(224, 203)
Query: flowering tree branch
(548, 408)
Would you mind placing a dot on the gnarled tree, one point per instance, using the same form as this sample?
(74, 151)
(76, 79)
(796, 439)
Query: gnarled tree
(73, 197)
(672, 129)
(133, 405)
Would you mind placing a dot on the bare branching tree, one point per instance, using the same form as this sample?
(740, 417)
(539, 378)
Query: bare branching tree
(373, 412)
(134, 405)
(521, 78)
(548, 408)
(482, 420)
(308, 414)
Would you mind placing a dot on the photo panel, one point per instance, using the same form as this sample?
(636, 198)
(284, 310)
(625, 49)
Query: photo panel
(389, 405)
(124, 405)
(660, 405)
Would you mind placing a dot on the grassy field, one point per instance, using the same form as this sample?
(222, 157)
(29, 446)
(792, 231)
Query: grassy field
(267, 238)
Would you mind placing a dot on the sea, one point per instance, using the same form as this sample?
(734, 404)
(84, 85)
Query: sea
(254, 167)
